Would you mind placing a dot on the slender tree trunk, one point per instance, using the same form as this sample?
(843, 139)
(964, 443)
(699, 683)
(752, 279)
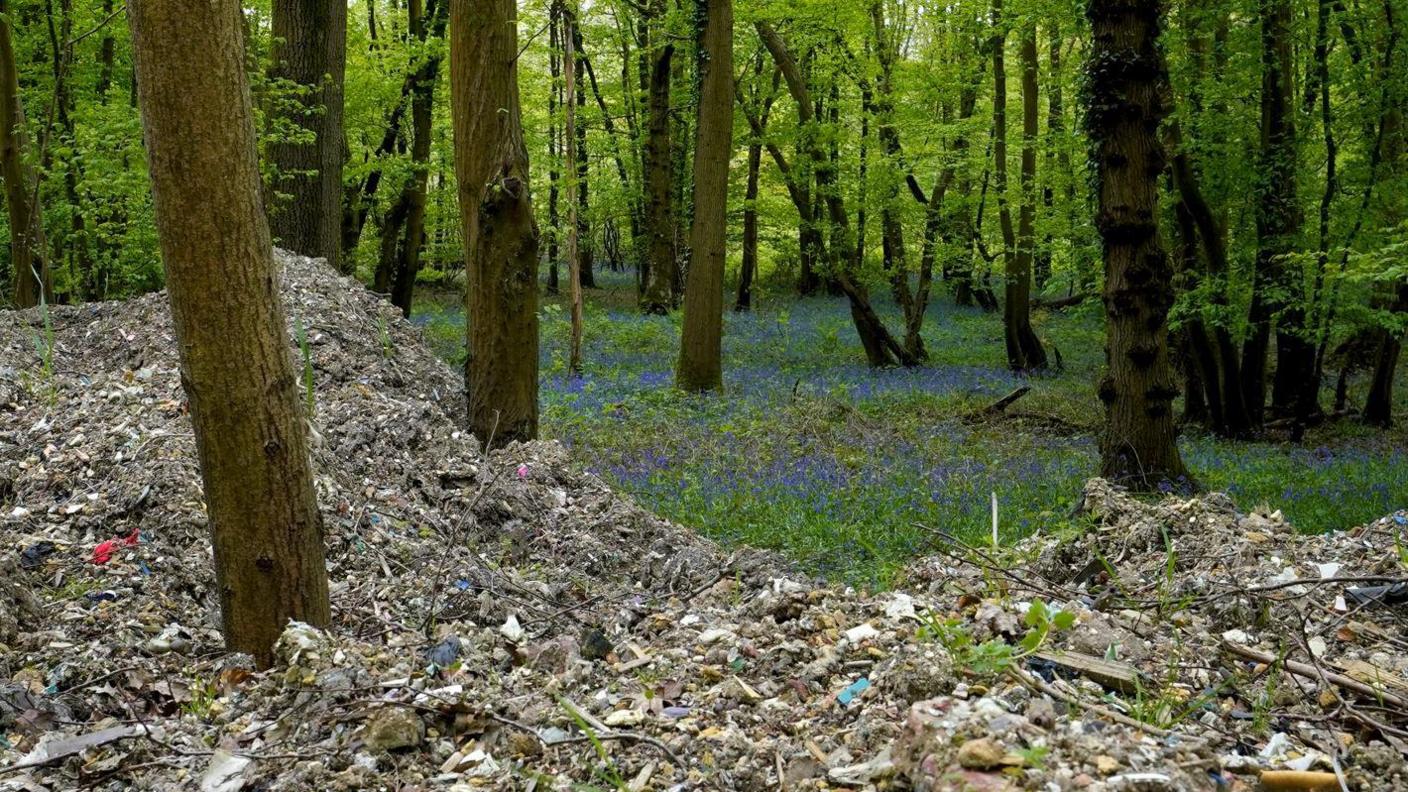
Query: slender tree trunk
(701, 341)
(881, 348)
(1378, 406)
(576, 185)
(422, 114)
(1024, 349)
(310, 42)
(1278, 299)
(659, 210)
(29, 264)
(1127, 81)
(555, 147)
(585, 246)
(496, 212)
(236, 367)
(749, 265)
(107, 55)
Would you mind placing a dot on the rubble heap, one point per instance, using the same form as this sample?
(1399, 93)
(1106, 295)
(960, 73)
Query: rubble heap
(504, 621)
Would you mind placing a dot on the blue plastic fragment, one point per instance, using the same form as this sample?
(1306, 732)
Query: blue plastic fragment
(857, 687)
(462, 584)
(143, 568)
(675, 712)
(1400, 519)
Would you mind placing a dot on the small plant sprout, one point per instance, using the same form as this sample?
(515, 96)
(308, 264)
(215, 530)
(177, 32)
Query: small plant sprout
(301, 333)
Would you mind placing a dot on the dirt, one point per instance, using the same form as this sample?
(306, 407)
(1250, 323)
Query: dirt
(509, 622)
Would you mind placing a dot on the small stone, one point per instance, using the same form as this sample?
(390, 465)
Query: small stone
(625, 717)
(1106, 765)
(393, 728)
(981, 754)
(861, 632)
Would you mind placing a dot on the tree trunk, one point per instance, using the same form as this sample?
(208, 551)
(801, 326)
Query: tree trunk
(1278, 298)
(701, 340)
(576, 186)
(29, 263)
(496, 212)
(107, 55)
(750, 230)
(414, 193)
(251, 435)
(1378, 406)
(310, 41)
(554, 143)
(659, 210)
(896, 263)
(1127, 80)
(1024, 349)
(881, 348)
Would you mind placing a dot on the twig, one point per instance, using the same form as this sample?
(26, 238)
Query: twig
(600, 736)
(1310, 672)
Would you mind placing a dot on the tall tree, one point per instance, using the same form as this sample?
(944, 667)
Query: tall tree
(701, 355)
(1127, 81)
(310, 50)
(496, 211)
(762, 100)
(29, 262)
(1024, 349)
(576, 180)
(657, 296)
(1278, 298)
(250, 432)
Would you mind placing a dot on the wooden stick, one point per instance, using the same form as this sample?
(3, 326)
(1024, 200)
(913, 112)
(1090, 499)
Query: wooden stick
(1309, 672)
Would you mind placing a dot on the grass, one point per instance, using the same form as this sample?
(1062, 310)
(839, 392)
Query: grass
(852, 471)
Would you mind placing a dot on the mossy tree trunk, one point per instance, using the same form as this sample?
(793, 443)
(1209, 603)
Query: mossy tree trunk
(250, 432)
(659, 204)
(499, 232)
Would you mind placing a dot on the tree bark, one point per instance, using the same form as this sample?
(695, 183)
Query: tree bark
(422, 114)
(749, 266)
(701, 341)
(29, 262)
(659, 210)
(576, 185)
(585, 248)
(555, 146)
(1378, 406)
(498, 229)
(1127, 79)
(1278, 298)
(1024, 349)
(310, 42)
(236, 367)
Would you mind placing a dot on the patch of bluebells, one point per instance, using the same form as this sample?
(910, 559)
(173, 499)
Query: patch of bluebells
(854, 471)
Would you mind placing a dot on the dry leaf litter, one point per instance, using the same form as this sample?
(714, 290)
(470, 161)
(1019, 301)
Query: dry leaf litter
(508, 622)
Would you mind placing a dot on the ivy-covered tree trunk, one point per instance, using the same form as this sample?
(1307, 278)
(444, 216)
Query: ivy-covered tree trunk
(658, 296)
(414, 193)
(310, 43)
(29, 264)
(555, 148)
(496, 211)
(701, 340)
(1127, 80)
(250, 432)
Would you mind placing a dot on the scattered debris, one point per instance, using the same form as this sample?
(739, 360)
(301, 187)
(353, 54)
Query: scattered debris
(504, 621)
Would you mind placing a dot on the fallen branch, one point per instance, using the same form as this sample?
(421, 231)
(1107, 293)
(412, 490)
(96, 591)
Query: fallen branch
(1057, 303)
(1310, 672)
(997, 407)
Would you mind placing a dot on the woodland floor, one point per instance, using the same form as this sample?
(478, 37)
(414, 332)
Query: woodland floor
(846, 469)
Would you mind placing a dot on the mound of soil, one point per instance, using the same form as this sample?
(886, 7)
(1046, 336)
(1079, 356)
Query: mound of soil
(504, 621)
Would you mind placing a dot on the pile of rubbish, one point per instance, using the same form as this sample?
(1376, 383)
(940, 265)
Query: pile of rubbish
(505, 621)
